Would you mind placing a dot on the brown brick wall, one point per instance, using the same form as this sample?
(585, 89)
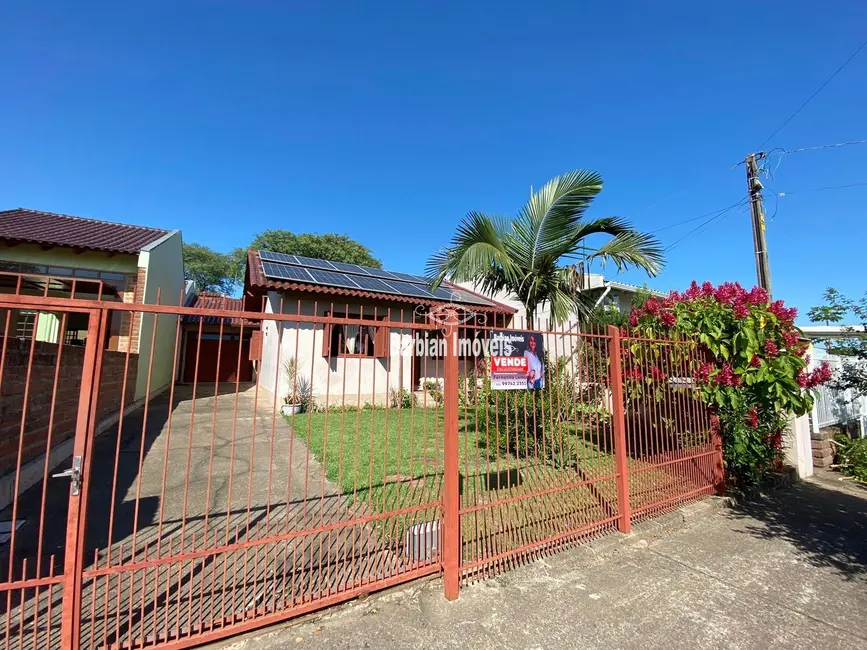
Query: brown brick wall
(40, 394)
(130, 327)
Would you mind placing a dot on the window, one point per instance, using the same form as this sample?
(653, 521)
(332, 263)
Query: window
(26, 323)
(347, 340)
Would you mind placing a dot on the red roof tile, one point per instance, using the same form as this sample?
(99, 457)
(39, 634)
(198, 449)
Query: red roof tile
(210, 300)
(32, 226)
(256, 278)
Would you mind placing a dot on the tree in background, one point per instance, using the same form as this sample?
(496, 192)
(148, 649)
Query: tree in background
(529, 255)
(853, 349)
(330, 246)
(210, 270)
(833, 311)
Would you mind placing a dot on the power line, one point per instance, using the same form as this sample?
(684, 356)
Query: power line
(701, 216)
(801, 107)
(721, 214)
(825, 146)
(821, 189)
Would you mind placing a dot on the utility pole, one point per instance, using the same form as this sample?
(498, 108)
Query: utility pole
(760, 245)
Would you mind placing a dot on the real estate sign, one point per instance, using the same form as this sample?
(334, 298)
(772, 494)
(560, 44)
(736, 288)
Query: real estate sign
(517, 360)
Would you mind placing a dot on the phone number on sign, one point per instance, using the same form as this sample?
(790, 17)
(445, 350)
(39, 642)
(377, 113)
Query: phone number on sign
(509, 381)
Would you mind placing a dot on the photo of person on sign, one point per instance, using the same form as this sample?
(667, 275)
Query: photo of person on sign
(536, 369)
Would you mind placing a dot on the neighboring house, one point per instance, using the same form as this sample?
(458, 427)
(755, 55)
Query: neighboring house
(602, 292)
(95, 260)
(833, 407)
(346, 363)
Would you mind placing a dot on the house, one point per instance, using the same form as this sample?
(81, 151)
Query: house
(602, 292)
(346, 363)
(66, 256)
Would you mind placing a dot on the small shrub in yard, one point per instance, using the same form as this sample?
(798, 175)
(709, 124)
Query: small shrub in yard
(754, 371)
(401, 398)
(852, 457)
(533, 422)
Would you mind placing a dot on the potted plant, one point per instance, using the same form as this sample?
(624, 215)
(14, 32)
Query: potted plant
(300, 390)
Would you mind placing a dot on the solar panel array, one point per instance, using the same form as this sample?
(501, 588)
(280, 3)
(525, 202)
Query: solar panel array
(309, 270)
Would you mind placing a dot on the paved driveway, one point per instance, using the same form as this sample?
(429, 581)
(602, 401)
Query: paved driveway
(220, 470)
(789, 571)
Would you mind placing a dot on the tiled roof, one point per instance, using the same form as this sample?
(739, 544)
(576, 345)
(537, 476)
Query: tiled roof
(32, 226)
(210, 300)
(256, 278)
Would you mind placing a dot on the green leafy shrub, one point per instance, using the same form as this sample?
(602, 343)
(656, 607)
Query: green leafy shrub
(401, 398)
(852, 457)
(749, 367)
(536, 423)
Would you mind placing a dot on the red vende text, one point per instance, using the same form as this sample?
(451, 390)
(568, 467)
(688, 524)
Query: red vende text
(510, 364)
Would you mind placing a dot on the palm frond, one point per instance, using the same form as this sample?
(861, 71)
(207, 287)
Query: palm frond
(476, 249)
(544, 224)
(632, 248)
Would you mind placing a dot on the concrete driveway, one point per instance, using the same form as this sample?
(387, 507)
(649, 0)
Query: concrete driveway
(786, 571)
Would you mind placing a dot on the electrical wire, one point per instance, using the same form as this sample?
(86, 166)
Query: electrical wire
(825, 146)
(821, 189)
(801, 107)
(701, 216)
(721, 214)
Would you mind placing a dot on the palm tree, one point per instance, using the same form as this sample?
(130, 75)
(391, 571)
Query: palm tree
(538, 255)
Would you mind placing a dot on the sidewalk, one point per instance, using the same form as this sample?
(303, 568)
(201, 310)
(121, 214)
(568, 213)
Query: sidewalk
(786, 571)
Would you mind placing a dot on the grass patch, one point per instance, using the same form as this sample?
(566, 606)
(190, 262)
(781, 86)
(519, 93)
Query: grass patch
(387, 460)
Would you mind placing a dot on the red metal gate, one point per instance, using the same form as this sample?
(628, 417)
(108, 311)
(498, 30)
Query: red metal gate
(48, 405)
(355, 460)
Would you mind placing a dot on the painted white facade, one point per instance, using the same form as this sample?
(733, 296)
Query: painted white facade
(334, 380)
(163, 261)
(353, 381)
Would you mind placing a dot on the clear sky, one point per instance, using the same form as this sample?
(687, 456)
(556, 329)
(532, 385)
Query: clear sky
(390, 120)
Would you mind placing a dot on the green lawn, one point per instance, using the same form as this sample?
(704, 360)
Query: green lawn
(386, 460)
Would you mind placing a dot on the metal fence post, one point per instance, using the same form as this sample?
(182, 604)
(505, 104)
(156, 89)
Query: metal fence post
(618, 419)
(719, 480)
(451, 552)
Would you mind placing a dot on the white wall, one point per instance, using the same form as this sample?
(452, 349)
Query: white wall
(164, 264)
(335, 380)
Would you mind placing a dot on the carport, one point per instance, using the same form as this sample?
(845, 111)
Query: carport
(222, 350)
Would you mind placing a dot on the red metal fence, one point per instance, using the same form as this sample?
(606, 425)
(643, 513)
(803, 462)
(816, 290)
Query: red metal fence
(353, 461)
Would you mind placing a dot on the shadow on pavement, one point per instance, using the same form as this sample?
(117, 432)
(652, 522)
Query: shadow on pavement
(824, 520)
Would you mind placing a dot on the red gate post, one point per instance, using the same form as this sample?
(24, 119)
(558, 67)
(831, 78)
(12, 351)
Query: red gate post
(618, 419)
(451, 537)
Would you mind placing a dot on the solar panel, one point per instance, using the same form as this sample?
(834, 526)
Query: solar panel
(408, 289)
(333, 279)
(374, 284)
(350, 268)
(281, 266)
(456, 295)
(268, 256)
(285, 272)
(314, 263)
(416, 279)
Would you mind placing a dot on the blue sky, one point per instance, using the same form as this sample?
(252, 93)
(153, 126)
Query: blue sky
(389, 121)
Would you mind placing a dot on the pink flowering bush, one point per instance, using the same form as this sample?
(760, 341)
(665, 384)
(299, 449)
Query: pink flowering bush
(753, 373)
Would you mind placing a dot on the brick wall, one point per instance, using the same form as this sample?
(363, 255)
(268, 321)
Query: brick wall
(130, 327)
(39, 400)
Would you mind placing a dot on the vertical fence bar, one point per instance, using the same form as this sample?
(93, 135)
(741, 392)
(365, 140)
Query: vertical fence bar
(451, 493)
(719, 481)
(618, 420)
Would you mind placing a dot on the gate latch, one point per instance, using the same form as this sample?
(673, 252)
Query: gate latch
(73, 473)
